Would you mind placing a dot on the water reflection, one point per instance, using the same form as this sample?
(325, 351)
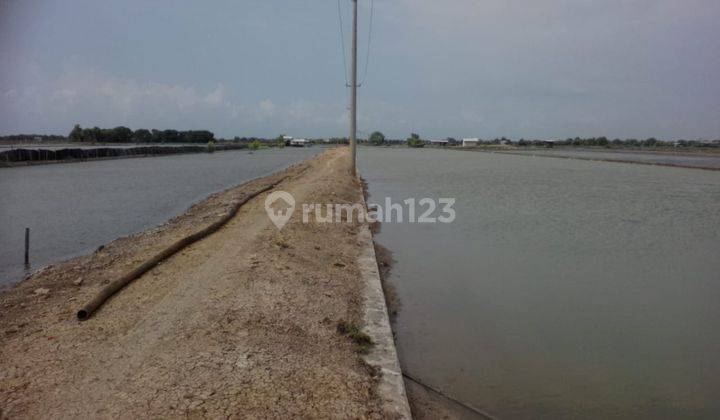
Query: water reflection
(73, 208)
(565, 288)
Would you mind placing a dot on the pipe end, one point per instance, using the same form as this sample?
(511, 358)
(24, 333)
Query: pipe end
(82, 315)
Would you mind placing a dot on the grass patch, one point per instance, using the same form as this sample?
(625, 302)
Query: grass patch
(363, 342)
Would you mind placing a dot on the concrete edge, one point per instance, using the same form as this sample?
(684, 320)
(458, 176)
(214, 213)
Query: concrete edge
(383, 355)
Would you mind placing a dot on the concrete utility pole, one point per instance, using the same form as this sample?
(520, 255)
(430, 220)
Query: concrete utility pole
(353, 95)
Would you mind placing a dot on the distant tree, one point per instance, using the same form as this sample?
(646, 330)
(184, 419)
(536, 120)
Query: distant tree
(92, 134)
(377, 138)
(280, 141)
(194, 136)
(142, 135)
(652, 141)
(255, 144)
(76, 134)
(415, 141)
(170, 136)
(119, 135)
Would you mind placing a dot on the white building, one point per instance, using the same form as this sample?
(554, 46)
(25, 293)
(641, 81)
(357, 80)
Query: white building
(470, 142)
(299, 143)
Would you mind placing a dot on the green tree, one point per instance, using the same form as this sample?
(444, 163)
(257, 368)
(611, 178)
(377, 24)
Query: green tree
(280, 141)
(76, 134)
(142, 135)
(170, 136)
(377, 138)
(92, 134)
(118, 135)
(255, 144)
(415, 141)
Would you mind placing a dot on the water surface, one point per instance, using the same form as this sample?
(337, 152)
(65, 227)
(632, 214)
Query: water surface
(701, 160)
(80, 145)
(564, 289)
(72, 208)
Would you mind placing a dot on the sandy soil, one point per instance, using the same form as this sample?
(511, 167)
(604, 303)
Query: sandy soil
(240, 324)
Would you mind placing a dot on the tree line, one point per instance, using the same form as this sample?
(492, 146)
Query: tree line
(377, 138)
(126, 135)
(31, 137)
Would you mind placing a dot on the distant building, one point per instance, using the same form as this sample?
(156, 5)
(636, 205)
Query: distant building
(299, 143)
(470, 142)
(438, 142)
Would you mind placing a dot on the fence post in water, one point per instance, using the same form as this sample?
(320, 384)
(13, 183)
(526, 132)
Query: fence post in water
(27, 246)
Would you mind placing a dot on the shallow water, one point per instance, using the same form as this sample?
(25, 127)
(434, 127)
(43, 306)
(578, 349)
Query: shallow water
(72, 208)
(697, 160)
(58, 146)
(564, 288)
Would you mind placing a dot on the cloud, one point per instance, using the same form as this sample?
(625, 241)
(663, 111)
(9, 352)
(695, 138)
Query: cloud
(488, 68)
(92, 97)
(215, 98)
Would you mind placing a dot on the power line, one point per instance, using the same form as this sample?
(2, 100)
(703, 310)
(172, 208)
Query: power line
(342, 42)
(480, 413)
(369, 42)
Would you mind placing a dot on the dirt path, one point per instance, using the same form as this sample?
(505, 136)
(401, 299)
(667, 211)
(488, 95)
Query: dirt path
(240, 324)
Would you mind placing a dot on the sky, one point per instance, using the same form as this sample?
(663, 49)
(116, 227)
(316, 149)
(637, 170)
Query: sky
(453, 68)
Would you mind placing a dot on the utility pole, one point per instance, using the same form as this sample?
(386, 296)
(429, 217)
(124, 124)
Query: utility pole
(353, 95)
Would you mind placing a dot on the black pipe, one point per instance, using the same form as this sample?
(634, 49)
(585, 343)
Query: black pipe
(27, 246)
(112, 288)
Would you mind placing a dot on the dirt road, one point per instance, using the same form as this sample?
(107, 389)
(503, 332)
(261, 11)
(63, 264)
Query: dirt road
(240, 324)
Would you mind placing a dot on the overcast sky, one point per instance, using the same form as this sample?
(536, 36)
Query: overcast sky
(481, 68)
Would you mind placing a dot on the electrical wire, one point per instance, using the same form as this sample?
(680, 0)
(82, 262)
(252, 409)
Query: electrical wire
(369, 42)
(342, 43)
(480, 413)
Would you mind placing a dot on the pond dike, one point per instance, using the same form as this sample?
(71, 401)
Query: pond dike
(16, 157)
(251, 321)
(391, 386)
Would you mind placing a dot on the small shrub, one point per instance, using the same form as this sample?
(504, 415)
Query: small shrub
(363, 342)
(415, 141)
